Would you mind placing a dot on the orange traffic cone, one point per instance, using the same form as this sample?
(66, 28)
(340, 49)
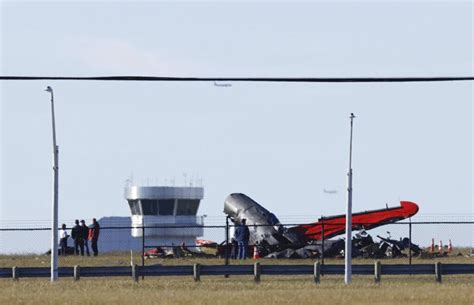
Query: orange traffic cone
(450, 247)
(440, 247)
(432, 246)
(256, 255)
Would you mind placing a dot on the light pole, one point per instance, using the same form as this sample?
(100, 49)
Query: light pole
(348, 250)
(54, 224)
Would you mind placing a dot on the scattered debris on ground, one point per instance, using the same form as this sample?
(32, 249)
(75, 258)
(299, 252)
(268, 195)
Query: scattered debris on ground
(363, 245)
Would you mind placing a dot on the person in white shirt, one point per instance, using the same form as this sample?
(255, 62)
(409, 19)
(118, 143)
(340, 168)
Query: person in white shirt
(63, 236)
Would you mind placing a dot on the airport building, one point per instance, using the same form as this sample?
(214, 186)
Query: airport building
(168, 213)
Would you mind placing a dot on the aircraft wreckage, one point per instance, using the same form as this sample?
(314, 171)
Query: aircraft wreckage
(273, 239)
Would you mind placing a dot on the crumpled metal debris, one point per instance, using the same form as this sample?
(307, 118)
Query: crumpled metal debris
(363, 245)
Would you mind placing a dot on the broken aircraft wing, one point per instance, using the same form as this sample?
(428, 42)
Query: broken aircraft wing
(336, 225)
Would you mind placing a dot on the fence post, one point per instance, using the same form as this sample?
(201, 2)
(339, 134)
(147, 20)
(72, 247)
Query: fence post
(135, 273)
(317, 272)
(77, 272)
(256, 272)
(143, 248)
(409, 241)
(322, 240)
(197, 272)
(15, 275)
(438, 272)
(226, 262)
(378, 271)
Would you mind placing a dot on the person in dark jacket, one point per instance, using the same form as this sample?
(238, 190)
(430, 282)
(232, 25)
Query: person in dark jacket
(94, 236)
(234, 246)
(76, 234)
(85, 236)
(242, 235)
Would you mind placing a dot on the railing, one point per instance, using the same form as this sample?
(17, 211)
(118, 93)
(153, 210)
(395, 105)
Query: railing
(197, 270)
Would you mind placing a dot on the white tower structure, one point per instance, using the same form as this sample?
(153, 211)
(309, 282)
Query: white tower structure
(169, 214)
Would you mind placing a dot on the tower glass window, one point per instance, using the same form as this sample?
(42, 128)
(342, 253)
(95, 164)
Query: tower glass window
(134, 207)
(149, 207)
(187, 207)
(166, 207)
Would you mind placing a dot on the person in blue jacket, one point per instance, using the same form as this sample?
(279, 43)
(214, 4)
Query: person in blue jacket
(242, 235)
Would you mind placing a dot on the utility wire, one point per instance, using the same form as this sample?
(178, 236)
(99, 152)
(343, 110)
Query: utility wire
(248, 79)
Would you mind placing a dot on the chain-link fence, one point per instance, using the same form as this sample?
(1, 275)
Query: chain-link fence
(123, 244)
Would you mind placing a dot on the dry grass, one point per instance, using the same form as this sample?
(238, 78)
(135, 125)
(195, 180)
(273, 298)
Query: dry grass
(240, 290)
(234, 290)
(123, 259)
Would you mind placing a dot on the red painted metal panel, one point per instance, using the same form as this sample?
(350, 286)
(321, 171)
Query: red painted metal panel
(335, 225)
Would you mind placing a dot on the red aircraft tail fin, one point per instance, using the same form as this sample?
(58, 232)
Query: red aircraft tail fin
(336, 225)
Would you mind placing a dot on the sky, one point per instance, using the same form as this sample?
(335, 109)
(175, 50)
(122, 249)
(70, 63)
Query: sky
(281, 144)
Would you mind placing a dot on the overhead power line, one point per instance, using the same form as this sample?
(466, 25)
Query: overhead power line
(248, 79)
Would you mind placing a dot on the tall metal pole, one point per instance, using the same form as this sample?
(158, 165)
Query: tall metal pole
(54, 224)
(348, 250)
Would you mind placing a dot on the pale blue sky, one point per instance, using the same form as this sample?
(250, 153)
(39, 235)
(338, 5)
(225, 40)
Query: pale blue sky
(279, 143)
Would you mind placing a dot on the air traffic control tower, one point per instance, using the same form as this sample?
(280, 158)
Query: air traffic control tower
(169, 213)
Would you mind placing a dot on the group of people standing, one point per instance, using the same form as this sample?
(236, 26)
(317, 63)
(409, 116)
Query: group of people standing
(240, 241)
(81, 235)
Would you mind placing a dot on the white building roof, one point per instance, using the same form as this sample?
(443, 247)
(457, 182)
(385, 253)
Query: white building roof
(163, 192)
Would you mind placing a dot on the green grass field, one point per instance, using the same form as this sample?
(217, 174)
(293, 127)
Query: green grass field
(458, 289)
